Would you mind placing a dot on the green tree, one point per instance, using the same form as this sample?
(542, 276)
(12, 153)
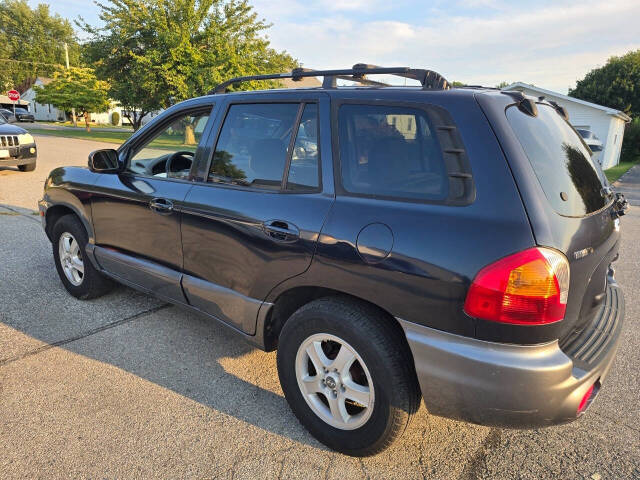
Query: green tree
(503, 84)
(32, 43)
(76, 88)
(615, 85)
(157, 52)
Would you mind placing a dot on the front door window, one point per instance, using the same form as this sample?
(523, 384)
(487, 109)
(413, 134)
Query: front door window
(170, 152)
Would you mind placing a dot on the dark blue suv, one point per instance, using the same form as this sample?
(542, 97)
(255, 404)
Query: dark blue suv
(392, 243)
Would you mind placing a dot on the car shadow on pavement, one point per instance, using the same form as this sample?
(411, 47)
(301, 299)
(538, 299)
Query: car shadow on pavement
(200, 359)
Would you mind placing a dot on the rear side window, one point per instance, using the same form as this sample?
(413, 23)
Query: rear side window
(390, 151)
(560, 160)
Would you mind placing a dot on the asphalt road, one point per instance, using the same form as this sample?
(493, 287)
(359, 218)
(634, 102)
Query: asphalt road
(127, 387)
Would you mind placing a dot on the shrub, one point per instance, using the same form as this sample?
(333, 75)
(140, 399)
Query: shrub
(115, 118)
(631, 144)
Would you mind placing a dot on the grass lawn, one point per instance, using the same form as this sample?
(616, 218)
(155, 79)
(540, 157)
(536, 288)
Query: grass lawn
(82, 125)
(614, 173)
(162, 142)
(96, 135)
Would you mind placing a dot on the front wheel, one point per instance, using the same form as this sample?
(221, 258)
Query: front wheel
(78, 275)
(347, 375)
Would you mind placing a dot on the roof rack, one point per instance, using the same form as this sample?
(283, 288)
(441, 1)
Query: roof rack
(429, 79)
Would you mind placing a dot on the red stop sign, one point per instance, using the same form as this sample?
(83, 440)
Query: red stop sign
(13, 95)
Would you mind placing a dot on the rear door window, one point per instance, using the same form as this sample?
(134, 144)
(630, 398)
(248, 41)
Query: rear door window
(253, 145)
(390, 151)
(303, 169)
(560, 160)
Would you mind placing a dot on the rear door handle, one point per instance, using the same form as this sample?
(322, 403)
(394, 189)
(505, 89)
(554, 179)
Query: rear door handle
(161, 206)
(281, 230)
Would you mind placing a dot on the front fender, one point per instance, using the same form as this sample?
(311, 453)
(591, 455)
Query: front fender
(68, 190)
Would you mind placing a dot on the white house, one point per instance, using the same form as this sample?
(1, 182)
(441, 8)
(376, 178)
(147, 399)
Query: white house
(47, 113)
(607, 123)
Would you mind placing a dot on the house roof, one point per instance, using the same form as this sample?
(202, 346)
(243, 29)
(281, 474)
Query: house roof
(5, 100)
(567, 98)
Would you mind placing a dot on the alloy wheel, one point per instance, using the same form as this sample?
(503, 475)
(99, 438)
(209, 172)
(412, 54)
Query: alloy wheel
(334, 381)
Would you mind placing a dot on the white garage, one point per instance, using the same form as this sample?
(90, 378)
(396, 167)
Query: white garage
(607, 123)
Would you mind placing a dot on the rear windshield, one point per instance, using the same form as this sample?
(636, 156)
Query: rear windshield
(560, 160)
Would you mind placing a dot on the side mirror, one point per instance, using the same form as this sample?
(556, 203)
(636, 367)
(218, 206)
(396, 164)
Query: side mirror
(105, 161)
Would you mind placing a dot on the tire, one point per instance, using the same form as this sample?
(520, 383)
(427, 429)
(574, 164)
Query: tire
(380, 352)
(90, 283)
(29, 167)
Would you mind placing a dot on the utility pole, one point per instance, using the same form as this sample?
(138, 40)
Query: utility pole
(66, 58)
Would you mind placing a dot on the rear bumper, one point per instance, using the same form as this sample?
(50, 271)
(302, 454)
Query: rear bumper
(517, 386)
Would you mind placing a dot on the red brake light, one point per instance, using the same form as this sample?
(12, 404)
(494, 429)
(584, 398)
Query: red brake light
(527, 288)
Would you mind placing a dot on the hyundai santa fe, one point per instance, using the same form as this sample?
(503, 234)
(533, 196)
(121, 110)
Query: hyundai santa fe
(393, 244)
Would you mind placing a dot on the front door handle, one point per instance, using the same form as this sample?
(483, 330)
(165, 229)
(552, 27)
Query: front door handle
(281, 230)
(161, 206)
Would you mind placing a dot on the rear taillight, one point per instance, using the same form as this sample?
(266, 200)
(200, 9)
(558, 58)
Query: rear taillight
(528, 288)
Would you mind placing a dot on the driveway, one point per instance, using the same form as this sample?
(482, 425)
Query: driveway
(125, 386)
(629, 184)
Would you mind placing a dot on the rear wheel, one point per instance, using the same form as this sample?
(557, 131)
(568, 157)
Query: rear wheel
(77, 273)
(347, 375)
(29, 167)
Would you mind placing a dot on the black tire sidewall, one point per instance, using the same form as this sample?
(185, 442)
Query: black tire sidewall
(365, 439)
(71, 224)
(28, 167)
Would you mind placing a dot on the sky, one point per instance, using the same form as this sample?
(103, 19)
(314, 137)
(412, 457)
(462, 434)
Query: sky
(551, 44)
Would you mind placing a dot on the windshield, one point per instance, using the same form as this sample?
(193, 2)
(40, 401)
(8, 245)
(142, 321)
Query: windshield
(2, 119)
(560, 159)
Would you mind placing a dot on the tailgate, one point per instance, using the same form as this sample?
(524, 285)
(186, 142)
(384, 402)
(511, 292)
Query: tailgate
(569, 205)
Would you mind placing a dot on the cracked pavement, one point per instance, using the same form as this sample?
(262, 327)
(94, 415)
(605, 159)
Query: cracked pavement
(128, 387)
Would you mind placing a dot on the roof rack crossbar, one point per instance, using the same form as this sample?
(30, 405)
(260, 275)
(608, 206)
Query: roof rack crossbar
(429, 79)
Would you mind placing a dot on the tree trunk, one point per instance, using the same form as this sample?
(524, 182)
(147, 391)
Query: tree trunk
(189, 135)
(87, 119)
(138, 120)
(75, 119)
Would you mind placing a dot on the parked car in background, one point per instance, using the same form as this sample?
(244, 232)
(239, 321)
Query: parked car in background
(21, 115)
(7, 115)
(17, 147)
(392, 243)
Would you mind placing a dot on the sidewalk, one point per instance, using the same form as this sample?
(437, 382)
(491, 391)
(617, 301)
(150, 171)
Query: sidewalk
(629, 185)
